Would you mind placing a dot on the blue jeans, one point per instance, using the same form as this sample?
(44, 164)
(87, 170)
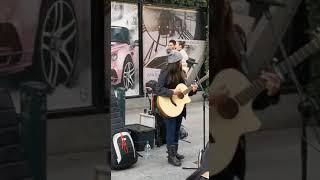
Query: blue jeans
(173, 129)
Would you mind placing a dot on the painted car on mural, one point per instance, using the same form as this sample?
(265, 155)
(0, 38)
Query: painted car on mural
(123, 57)
(41, 36)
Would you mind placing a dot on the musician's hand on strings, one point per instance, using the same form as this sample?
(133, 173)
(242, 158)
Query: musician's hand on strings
(273, 82)
(218, 97)
(178, 93)
(225, 105)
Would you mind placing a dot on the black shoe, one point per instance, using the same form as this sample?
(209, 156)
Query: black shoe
(172, 159)
(179, 156)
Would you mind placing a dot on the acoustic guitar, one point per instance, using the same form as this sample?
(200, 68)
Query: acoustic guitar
(226, 129)
(173, 106)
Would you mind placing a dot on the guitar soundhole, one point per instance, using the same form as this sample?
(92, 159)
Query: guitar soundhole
(173, 102)
(228, 109)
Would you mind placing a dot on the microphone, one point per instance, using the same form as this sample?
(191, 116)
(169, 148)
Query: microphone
(191, 62)
(270, 2)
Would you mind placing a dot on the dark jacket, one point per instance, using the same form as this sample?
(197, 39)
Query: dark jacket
(163, 88)
(238, 44)
(262, 101)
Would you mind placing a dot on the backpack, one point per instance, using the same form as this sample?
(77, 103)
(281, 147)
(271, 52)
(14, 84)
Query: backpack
(123, 153)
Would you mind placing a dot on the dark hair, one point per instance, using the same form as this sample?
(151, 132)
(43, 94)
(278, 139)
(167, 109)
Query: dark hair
(224, 53)
(172, 41)
(182, 43)
(175, 74)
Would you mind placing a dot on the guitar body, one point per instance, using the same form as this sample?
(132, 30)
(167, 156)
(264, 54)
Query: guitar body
(169, 109)
(226, 132)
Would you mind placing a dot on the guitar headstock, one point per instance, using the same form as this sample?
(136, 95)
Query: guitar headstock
(204, 78)
(300, 55)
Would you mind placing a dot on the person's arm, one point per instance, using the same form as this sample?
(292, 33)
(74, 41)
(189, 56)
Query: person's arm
(191, 93)
(262, 101)
(161, 90)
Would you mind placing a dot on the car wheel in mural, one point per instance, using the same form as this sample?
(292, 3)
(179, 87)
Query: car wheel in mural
(125, 47)
(128, 80)
(57, 44)
(122, 53)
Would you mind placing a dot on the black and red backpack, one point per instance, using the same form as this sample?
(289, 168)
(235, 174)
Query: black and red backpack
(123, 153)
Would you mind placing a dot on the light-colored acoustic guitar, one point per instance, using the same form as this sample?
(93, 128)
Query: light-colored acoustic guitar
(173, 106)
(226, 129)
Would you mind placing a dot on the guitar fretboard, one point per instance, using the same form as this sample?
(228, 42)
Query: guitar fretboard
(187, 91)
(250, 92)
(295, 59)
(299, 56)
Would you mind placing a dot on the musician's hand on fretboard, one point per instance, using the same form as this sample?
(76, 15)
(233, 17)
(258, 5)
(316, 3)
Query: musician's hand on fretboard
(194, 87)
(272, 82)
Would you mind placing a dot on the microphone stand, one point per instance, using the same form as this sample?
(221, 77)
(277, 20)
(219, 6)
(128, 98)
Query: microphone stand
(307, 106)
(204, 96)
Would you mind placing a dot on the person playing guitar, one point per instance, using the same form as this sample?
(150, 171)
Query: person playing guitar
(168, 79)
(229, 41)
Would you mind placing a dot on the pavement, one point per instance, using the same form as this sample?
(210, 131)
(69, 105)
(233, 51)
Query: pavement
(272, 153)
(275, 154)
(75, 166)
(157, 167)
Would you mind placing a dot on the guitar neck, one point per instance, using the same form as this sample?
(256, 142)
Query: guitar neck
(250, 92)
(187, 91)
(295, 59)
(299, 56)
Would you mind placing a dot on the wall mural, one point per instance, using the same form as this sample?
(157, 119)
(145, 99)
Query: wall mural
(50, 42)
(160, 25)
(125, 47)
